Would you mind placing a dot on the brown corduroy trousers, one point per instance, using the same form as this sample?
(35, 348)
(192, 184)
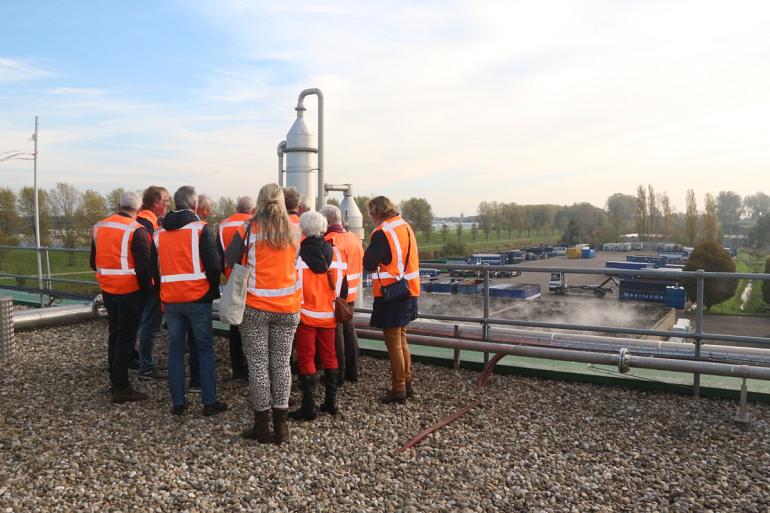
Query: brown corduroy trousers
(400, 358)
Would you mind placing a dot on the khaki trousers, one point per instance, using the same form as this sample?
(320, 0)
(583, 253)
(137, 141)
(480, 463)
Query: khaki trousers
(400, 358)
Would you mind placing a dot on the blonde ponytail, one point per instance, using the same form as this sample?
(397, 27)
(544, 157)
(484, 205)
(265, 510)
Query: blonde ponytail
(271, 216)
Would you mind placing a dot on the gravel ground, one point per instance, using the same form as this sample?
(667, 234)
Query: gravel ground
(533, 445)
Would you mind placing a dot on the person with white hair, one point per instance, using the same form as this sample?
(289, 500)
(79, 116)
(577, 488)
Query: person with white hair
(322, 270)
(205, 206)
(120, 255)
(350, 245)
(246, 207)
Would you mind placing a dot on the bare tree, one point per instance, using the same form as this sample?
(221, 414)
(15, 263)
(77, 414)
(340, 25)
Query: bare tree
(65, 201)
(710, 220)
(641, 216)
(691, 218)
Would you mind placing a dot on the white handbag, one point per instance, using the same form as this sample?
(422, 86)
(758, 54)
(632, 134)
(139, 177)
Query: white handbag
(233, 300)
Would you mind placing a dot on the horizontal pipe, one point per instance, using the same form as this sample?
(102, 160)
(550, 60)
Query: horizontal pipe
(36, 317)
(645, 362)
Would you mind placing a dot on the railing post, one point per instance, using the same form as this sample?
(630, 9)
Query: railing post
(48, 269)
(698, 329)
(485, 326)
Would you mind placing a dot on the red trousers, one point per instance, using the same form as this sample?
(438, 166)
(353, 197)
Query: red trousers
(305, 347)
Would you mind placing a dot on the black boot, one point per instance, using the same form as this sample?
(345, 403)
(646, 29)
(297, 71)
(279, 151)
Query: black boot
(260, 431)
(280, 425)
(330, 401)
(307, 411)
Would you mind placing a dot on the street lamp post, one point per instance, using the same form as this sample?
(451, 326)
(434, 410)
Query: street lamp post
(15, 155)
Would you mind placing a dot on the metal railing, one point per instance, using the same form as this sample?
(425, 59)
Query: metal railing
(698, 335)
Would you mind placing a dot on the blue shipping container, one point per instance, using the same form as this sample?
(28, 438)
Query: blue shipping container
(470, 287)
(627, 265)
(674, 297)
(444, 287)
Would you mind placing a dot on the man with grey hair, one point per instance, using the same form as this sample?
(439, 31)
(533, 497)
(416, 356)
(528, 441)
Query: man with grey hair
(205, 206)
(120, 255)
(189, 266)
(246, 208)
(346, 341)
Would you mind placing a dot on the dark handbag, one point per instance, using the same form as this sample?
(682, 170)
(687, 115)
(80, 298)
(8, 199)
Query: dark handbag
(343, 312)
(400, 288)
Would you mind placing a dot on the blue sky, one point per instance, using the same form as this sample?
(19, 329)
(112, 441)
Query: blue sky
(457, 102)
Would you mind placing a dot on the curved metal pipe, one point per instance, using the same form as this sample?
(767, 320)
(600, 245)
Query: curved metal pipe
(321, 200)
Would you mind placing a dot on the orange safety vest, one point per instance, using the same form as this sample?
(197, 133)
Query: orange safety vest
(150, 216)
(272, 285)
(350, 245)
(227, 229)
(115, 271)
(317, 296)
(399, 235)
(182, 275)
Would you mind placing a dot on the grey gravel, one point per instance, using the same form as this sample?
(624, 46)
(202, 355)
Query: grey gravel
(533, 445)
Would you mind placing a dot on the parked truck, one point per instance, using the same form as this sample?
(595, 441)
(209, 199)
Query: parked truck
(558, 285)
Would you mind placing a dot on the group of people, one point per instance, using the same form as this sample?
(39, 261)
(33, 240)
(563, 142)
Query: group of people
(152, 263)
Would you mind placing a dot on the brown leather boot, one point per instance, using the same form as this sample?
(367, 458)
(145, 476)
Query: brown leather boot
(410, 390)
(394, 396)
(280, 425)
(260, 431)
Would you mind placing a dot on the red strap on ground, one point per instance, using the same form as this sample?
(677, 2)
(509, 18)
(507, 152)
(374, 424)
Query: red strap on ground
(480, 382)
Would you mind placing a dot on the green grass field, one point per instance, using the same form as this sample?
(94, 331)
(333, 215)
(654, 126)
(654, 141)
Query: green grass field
(517, 239)
(70, 266)
(754, 305)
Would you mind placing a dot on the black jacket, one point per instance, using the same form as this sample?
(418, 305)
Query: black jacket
(318, 254)
(207, 249)
(140, 250)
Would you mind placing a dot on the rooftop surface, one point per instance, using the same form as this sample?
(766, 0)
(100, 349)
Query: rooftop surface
(532, 445)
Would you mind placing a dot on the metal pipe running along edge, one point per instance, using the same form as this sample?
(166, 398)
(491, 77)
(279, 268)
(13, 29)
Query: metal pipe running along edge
(623, 360)
(36, 317)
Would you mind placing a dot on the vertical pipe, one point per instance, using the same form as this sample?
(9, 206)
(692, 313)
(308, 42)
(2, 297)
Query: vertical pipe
(37, 220)
(48, 269)
(281, 170)
(486, 309)
(698, 329)
(6, 329)
(321, 199)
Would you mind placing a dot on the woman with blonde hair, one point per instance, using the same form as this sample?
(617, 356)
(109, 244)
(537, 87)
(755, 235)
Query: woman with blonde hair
(393, 261)
(268, 245)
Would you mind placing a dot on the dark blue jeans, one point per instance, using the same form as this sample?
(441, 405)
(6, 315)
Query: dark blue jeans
(196, 318)
(148, 330)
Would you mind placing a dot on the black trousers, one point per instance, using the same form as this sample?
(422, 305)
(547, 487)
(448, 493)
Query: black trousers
(237, 358)
(346, 345)
(124, 313)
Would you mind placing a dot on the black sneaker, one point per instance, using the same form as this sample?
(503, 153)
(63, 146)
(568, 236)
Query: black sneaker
(153, 374)
(133, 364)
(178, 410)
(212, 409)
(127, 395)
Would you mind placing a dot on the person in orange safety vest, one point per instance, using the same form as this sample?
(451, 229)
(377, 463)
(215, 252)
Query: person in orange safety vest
(246, 207)
(120, 255)
(322, 275)
(392, 256)
(350, 245)
(189, 266)
(155, 203)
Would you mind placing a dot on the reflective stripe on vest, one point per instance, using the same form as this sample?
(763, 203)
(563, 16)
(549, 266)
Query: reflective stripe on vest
(350, 245)
(317, 297)
(182, 277)
(231, 224)
(120, 277)
(278, 289)
(389, 276)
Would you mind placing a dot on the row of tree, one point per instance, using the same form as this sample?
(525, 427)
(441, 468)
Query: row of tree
(68, 214)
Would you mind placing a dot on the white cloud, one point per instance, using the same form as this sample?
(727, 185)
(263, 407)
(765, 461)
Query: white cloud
(15, 70)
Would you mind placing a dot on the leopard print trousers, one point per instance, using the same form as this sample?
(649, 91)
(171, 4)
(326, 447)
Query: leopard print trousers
(267, 339)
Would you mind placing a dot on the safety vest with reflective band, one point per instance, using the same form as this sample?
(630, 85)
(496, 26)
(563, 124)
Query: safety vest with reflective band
(294, 222)
(150, 216)
(114, 260)
(317, 296)
(227, 229)
(182, 275)
(272, 285)
(398, 233)
(350, 245)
